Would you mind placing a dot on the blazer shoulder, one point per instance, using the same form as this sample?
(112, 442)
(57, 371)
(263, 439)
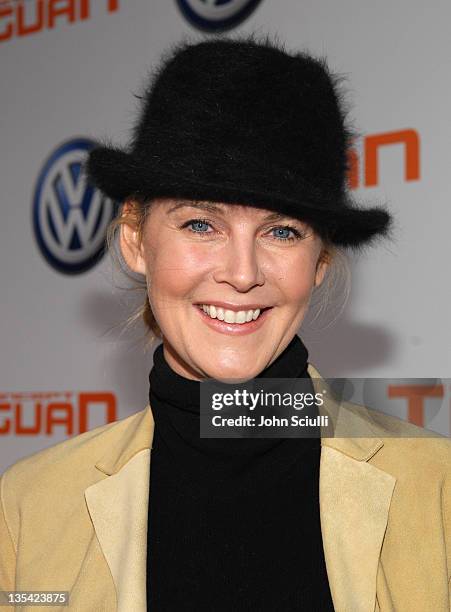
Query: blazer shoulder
(72, 460)
(406, 443)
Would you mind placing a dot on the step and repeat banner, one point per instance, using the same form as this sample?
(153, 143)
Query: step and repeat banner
(70, 71)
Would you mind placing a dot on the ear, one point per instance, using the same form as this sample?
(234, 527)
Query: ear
(129, 240)
(322, 265)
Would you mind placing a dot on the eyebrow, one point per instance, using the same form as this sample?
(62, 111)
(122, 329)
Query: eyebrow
(215, 208)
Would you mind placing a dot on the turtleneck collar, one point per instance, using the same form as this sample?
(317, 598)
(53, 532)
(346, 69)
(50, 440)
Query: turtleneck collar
(171, 387)
(226, 466)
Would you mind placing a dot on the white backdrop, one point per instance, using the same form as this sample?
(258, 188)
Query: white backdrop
(73, 78)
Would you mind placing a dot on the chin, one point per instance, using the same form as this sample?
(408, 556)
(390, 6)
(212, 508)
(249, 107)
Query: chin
(231, 375)
(230, 366)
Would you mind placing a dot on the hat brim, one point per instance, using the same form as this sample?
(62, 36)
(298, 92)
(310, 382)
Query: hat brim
(120, 175)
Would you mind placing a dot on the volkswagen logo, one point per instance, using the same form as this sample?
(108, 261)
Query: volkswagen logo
(216, 15)
(70, 217)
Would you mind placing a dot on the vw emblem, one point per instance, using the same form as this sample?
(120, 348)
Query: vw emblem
(70, 217)
(216, 15)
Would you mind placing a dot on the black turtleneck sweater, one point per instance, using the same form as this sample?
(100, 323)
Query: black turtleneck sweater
(234, 523)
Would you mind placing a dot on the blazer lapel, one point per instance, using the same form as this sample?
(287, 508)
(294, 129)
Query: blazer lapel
(355, 499)
(118, 507)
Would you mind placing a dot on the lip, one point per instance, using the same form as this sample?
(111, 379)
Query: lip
(234, 329)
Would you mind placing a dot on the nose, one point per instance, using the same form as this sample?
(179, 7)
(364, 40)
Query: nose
(240, 263)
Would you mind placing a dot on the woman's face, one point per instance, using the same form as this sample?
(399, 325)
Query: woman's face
(232, 256)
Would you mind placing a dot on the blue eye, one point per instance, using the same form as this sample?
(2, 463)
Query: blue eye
(282, 229)
(297, 235)
(199, 226)
(198, 223)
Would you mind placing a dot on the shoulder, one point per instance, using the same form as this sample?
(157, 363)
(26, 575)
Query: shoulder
(403, 446)
(406, 447)
(72, 461)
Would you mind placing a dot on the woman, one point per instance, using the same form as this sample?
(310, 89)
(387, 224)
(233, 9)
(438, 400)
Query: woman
(235, 206)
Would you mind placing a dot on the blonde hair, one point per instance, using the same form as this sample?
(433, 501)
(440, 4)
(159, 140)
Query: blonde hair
(336, 282)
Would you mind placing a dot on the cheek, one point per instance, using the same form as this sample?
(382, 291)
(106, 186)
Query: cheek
(176, 269)
(296, 278)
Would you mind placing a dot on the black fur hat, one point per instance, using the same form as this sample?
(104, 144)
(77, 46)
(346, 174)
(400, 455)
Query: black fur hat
(243, 121)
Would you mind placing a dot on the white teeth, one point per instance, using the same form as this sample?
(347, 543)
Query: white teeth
(230, 316)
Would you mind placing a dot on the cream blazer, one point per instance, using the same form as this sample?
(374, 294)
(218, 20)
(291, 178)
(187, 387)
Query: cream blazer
(74, 516)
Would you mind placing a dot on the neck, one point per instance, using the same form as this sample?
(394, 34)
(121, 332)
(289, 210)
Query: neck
(174, 387)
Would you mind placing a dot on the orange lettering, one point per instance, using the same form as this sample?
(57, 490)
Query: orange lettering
(411, 141)
(68, 8)
(28, 431)
(353, 169)
(66, 419)
(8, 32)
(4, 429)
(22, 28)
(84, 9)
(86, 398)
(415, 395)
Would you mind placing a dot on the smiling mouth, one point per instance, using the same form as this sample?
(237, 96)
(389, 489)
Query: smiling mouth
(235, 329)
(231, 317)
